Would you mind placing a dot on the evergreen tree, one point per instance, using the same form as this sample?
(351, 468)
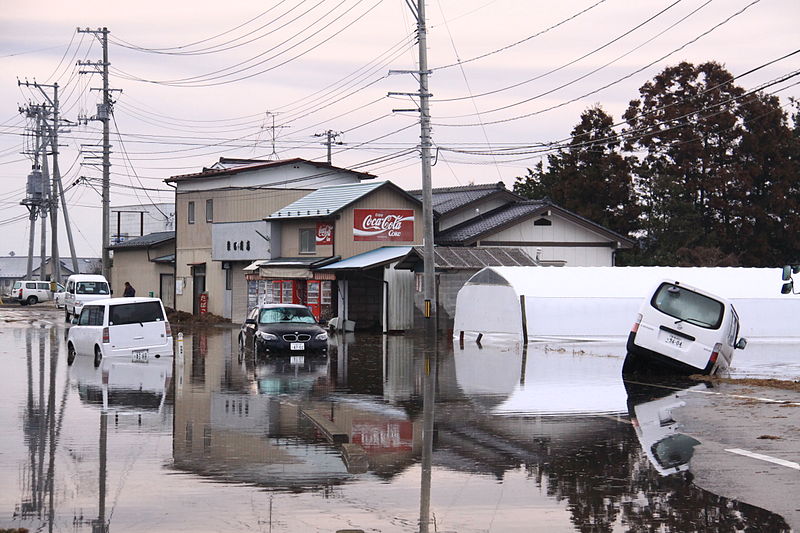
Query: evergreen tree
(589, 177)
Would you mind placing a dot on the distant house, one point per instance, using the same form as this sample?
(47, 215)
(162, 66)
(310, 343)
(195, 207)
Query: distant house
(492, 216)
(13, 268)
(148, 263)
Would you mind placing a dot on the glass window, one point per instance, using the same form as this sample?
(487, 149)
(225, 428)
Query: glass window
(92, 315)
(190, 213)
(91, 287)
(286, 292)
(308, 241)
(43, 286)
(135, 313)
(209, 210)
(688, 306)
(326, 292)
(286, 314)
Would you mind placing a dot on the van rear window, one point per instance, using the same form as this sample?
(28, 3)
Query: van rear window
(135, 313)
(688, 306)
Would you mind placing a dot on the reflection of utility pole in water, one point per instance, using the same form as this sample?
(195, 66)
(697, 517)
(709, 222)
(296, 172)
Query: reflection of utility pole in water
(100, 526)
(42, 428)
(428, 402)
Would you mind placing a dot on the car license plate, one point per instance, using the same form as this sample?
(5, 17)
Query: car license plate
(139, 356)
(674, 340)
(297, 359)
(297, 346)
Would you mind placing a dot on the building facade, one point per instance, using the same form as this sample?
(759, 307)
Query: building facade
(220, 227)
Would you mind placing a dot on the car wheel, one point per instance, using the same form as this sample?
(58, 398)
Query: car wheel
(256, 349)
(32, 300)
(631, 365)
(70, 353)
(98, 356)
(66, 315)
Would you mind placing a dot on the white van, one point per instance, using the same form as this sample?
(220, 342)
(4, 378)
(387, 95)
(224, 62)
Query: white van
(683, 330)
(28, 292)
(134, 328)
(83, 288)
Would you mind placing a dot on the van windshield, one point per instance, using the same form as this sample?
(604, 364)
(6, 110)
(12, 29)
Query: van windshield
(688, 306)
(135, 313)
(91, 287)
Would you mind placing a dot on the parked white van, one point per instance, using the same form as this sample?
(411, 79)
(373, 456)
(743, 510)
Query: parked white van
(81, 289)
(133, 328)
(683, 330)
(28, 292)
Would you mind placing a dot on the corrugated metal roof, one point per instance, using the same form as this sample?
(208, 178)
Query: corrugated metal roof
(326, 200)
(145, 240)
(229, 167)
(373, 258)
(469, 258)
(17, 267)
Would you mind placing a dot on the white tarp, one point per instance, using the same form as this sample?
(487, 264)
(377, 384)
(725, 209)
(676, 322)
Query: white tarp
(602, 302)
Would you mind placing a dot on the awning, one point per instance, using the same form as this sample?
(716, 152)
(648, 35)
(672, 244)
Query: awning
(254, 265)
(372, 259)
(288, 267)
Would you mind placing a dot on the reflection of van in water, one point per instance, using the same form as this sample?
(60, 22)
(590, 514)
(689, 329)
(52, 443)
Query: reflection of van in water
(683, 330)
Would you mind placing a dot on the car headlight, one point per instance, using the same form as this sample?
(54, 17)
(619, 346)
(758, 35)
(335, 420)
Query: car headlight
(266, 336)
(321, 336)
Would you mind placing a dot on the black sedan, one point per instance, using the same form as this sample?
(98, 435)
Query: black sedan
(282, 328)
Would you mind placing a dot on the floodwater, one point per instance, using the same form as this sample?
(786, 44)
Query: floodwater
(547, 438)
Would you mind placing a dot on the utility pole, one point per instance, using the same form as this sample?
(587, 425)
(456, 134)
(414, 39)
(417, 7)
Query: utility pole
(104, 111)
(36, 188)
(428, 258)
(54, 187)
(330, 136)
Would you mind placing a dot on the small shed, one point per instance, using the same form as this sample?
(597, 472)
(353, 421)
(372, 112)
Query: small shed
(602, 302)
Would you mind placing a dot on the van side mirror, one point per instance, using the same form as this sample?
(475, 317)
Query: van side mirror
(787, 288)
(251, 321)
(741, 344)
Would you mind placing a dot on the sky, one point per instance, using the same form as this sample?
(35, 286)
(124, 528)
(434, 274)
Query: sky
(202, 80)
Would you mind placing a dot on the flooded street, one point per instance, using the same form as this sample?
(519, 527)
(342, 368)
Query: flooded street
(546, 438)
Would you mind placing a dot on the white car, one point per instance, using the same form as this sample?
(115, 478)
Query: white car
(135, 329)
(29, 292)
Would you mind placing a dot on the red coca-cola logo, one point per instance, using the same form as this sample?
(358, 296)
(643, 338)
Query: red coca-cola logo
(324, 233)
(383, 225)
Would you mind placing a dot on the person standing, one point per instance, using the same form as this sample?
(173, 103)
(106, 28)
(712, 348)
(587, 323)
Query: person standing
(129, 290)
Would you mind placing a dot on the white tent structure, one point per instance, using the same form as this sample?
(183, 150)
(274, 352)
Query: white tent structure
(597, 303)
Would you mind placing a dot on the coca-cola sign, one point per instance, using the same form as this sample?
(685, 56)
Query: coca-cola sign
(383, 225)
(324, 233)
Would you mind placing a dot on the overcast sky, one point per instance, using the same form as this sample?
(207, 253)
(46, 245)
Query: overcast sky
(201, 80)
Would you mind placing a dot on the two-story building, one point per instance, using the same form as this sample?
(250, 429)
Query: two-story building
(220, 226)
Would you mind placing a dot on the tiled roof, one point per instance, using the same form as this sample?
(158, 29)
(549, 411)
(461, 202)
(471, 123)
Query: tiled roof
(481, 224)
(329, 200)
(145, 240)
(226, 168)
(447, 199)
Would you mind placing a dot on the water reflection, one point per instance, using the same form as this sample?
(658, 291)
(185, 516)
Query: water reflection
(539, 437)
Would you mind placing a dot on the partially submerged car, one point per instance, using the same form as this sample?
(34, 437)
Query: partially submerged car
(132, 328)
(683, 330)
(282, 328)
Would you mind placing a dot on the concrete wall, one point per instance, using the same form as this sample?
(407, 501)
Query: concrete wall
(135, 267)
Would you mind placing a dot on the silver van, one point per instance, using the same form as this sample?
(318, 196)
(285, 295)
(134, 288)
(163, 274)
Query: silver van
(81, 289)
(135, 329)
(683, 330)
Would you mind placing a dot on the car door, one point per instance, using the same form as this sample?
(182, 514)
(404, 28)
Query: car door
(89, 330)
(43, 291)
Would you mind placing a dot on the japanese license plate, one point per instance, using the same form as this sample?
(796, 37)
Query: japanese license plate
(674, 340)
(297, 359)
(139, 356)
(297, 346)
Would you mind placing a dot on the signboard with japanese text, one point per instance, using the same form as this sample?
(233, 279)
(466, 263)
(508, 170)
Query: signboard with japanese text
(324, 233)
(383, 225)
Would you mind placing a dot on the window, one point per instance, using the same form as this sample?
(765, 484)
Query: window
(688, 306)
(91, 287)
(190, 213)
(542, 222)
(308, 241)
(286, 314)
(92, 315)
(135, 313)
(209, 210)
